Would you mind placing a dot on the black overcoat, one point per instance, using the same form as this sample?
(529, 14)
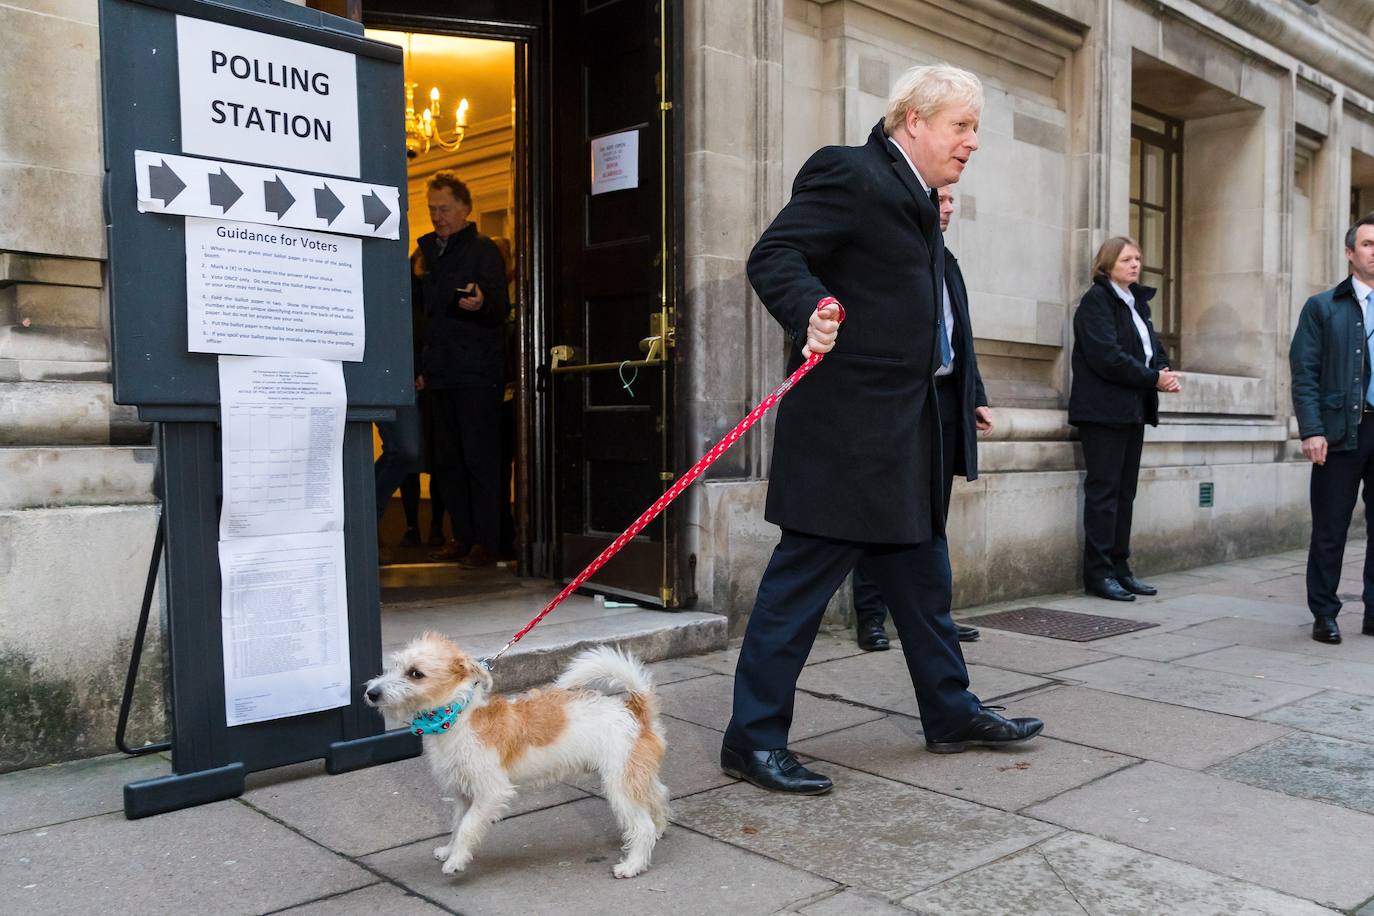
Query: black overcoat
(1112, 383)
(1329, 367)
(855, 451)
(969, 379)
(459, 347)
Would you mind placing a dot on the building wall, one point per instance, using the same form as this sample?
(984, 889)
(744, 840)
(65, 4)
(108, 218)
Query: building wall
(1276, 113)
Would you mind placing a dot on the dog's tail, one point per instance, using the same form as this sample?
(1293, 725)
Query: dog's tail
(609, 666)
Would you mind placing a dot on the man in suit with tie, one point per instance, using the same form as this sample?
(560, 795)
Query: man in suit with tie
(964, 413)
(856, 466)
(1333, 400)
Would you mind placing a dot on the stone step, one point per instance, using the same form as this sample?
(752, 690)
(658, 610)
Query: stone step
(541, 656)
(47, 478)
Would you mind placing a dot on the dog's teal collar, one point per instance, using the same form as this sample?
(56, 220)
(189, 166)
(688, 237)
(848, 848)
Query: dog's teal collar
(438, 721)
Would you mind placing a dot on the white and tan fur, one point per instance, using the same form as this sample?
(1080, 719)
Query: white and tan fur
(542, 736)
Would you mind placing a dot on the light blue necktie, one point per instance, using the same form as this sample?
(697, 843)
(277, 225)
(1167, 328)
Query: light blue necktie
(947, 352)
(1369, 361)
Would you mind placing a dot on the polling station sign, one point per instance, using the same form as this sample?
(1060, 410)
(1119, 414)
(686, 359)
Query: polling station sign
(255, 97)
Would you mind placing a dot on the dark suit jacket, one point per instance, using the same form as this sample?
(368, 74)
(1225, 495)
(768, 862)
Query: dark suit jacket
(1111, 381)
(1329, 367)
(459, 347)
(856, 448)
(969, 379)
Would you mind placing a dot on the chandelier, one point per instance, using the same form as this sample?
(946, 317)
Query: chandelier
(424, 131)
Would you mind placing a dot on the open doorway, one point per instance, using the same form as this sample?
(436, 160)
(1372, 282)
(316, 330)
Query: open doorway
(450, 525)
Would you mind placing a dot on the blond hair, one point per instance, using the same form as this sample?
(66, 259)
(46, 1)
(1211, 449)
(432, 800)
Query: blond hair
(1108, 254)
(929, 89)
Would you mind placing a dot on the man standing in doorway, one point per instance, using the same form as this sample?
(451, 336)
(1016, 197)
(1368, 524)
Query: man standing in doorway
(1333, 400)
(461, 288)
(856, 459)
(964, 413)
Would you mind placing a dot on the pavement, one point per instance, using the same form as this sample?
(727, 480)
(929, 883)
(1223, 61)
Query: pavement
(1218, 762)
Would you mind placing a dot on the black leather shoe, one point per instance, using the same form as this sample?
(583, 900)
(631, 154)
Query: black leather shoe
(776, 771)
(1324, 629)
(1368, 628)
(872, 636)
(1107, 588)
(986, 729)
(1135, 586)
(966, 633)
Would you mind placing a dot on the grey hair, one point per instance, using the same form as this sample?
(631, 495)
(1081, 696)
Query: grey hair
(929, 89)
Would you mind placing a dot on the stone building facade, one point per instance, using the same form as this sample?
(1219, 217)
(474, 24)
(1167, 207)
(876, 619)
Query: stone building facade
(1235, 136)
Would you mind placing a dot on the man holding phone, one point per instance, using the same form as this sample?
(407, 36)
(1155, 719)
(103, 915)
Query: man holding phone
(459, 283)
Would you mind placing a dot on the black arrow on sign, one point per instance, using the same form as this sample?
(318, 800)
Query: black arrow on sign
(163, 183)
(374, 211)
(223, 192)
(277, 199)
(327, 204)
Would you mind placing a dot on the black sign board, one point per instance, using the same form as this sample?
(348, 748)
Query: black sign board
(153, 368)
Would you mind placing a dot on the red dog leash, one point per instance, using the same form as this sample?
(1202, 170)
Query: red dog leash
(676, 489)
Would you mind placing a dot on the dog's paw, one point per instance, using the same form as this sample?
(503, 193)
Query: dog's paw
(456, 863)
(629, 869)
(441, 853)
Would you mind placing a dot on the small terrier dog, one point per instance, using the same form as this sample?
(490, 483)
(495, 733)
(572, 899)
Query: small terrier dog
(482, 745)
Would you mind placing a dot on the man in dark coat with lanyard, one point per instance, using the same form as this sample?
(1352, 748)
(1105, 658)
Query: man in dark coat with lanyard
(964, 413)
(1333, 400)
(856, 456)
(461, 287)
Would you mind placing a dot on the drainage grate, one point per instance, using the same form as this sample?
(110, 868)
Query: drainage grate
(1043, 621)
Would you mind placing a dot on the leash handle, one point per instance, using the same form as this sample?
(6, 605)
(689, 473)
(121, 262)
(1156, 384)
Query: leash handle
(673, 492)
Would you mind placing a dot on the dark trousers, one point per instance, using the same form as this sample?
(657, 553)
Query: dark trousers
(400, 454)
(801, 577)
(467, 460)
(1334, 487)
(1111, 455)
(868, 598)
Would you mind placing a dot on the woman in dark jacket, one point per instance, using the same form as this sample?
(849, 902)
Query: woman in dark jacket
(1119, 368)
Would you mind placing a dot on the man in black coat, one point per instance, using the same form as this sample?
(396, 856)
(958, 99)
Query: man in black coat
(461, 287)
(964, 413)
(1333, 400)
(856, 455)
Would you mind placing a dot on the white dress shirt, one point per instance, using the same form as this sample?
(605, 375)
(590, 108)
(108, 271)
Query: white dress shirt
(948, 311)
(1140, 327)
(1362, 294)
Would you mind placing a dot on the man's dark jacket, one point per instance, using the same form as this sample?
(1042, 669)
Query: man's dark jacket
(971, 392)
(1112, 383)
(1328, 367)
(856, 447)
(459, 347)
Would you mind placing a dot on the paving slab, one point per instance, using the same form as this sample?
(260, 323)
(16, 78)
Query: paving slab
(64, 791)
(1200, 607)
(1160, 647)
(1293, 636)
(560, 859)
(1190, 738)
(829, 645)
(850, 902)
(707, 701)
(1073, 873)
(223, 858)
(403, 803)
(1027, 654)
(881, 680)
(691, 765)
(370, 901)
(1231, 694)
(1309, 849)
(871, 833)
(1309, 766)
(1341, 715)
(672, 670)
(1008, 779)
(1289, 589)
(1288, 667)
(1159, 611)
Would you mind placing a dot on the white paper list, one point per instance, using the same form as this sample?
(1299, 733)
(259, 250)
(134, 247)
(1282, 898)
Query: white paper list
(268, 291)
(283, 423)
(284, 618)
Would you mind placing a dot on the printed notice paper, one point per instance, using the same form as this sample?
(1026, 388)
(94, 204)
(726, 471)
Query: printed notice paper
(283, 422)
(267, 291)
(615, 162)
(284, 619)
